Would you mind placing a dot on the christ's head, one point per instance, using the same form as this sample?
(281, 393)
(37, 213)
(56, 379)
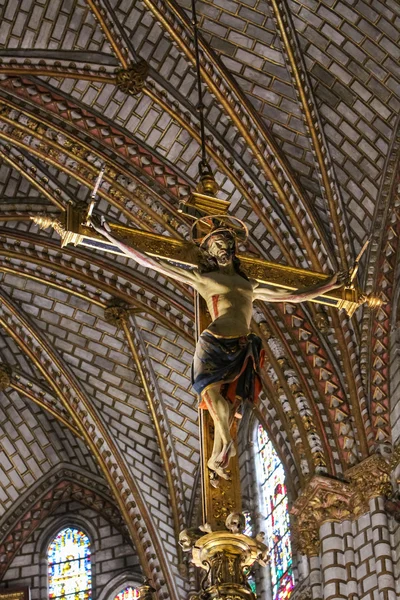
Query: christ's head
(221, 247)
(219, 251)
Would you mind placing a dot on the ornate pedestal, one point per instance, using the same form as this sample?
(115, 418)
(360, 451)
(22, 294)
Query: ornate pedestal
(226, 557)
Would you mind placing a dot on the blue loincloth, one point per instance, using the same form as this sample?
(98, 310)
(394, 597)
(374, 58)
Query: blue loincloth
(233, 362)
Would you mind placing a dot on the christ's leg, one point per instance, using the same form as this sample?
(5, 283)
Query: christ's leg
(221, 412)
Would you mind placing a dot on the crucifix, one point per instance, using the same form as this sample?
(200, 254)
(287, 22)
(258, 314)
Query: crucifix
(227, 358)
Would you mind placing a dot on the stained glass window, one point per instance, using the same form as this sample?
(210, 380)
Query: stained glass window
(275, 512)
(129, 593)
(69, 567)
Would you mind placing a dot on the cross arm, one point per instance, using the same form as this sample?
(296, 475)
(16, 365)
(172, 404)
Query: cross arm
(184, 253)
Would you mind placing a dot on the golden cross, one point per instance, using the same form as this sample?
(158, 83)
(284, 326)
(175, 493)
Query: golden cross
(75, 231)
(220, 497)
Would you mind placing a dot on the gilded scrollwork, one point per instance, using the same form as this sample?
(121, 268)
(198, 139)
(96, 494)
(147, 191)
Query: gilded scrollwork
(323, 500)
(132, 80)
(227, 558)
(329, 500)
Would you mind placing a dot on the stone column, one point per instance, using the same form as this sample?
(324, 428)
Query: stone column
(315, 578)
(382, 549)
(350, 560)
(343, 527)
(371, 483)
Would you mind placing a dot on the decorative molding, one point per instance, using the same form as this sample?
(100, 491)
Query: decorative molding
(15, 594)
(304, 90)
(133, 289)
(330, 500)
(118, 179)
(131, 80)
(63, 486)
(370, 479)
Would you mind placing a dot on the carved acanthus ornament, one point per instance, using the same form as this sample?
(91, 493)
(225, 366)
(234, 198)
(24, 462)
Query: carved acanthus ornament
(369, 479)
(132, 80)
(322, 500)
(329, 500)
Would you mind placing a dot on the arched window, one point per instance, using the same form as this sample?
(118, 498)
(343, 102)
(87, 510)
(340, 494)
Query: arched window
(129, 593)
(275, 516)
(69, 566)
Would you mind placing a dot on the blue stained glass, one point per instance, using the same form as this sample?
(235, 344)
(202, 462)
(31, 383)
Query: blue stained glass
(69, 566)
(276, 518)
(129, 593)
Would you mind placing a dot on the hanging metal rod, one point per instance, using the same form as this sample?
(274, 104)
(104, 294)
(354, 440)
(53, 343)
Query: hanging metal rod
(203, 166)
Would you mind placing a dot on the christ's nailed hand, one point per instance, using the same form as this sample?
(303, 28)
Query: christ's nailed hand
(340, 278)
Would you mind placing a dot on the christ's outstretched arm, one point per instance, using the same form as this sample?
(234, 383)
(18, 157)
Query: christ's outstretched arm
(338, 280)
(176, 273)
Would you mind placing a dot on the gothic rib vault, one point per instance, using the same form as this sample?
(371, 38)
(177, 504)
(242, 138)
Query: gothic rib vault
(302, 103)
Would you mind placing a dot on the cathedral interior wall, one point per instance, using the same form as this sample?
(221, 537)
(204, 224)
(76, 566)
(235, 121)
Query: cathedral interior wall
(112, 555)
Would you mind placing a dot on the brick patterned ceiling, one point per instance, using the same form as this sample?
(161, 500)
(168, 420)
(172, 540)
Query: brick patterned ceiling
(302, 103)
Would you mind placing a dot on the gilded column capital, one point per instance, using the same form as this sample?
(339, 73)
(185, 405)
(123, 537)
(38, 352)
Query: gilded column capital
(146, 591)
(369, 479)
(323, 500)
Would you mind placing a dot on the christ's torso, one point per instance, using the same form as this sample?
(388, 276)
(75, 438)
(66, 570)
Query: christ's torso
(229, 300)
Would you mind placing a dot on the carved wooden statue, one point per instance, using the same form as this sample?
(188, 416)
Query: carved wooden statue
(228, 356)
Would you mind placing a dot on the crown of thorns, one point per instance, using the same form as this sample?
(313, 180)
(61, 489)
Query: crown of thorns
(206, 227)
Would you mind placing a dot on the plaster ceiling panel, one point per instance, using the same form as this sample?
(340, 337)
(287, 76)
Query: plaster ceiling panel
(33, 442)
(99, 357)
(150, 124)
(178, 77)
(14, 188)
(51, 24)
(352, 55)
(11, 355)
(171, 358)
(245, 37)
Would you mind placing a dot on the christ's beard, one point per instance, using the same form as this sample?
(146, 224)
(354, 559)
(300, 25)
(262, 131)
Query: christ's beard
(223, 259)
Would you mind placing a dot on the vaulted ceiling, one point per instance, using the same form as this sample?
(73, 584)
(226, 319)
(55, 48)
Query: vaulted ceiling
(302, 102)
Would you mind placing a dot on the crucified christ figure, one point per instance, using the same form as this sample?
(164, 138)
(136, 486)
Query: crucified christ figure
(226, 365)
